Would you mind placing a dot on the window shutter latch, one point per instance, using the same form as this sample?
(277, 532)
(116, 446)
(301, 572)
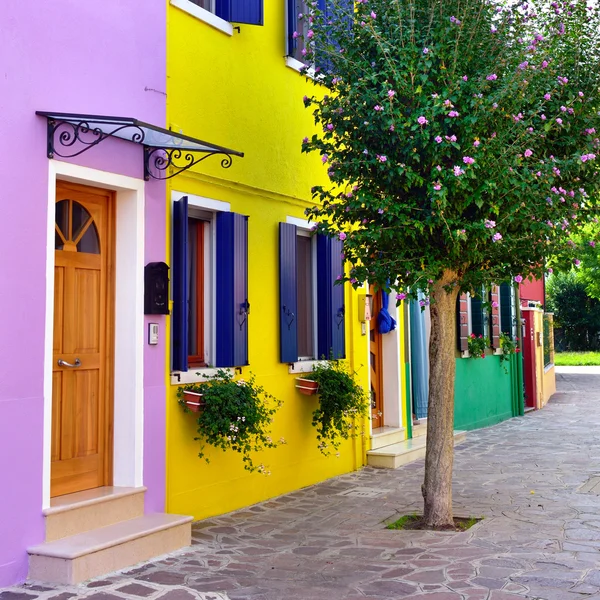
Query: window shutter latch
(340, 316)
(289, 316)
(244, 312)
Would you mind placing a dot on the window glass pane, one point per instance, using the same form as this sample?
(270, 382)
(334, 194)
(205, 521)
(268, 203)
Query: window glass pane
(80, 218)
(302, 27)
(62, 217)
(207, 4)
(304, 278)
(89, 242)
(196, 282)
(58, 243)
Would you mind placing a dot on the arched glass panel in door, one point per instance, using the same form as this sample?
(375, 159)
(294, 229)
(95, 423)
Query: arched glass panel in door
(75, 230)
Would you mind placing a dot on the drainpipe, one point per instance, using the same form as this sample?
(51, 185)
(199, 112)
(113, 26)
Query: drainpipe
(407, 371)
(520, 398)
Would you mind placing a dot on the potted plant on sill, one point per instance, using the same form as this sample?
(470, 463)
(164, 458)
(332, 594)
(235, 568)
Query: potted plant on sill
(236, 415)
(341, 402)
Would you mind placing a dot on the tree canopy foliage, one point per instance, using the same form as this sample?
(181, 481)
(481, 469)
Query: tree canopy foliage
(459, 135)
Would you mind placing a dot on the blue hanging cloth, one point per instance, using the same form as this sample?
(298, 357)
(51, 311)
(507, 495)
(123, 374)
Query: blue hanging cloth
(385, 321)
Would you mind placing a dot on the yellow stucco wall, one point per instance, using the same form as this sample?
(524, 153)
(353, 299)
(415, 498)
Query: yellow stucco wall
(237, 92)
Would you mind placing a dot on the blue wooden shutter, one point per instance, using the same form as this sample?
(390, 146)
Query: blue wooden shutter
(331, 338)
(288, 294)
(506, 318)
(179, 321)
(250, 12)
(292, 25)
(232, 290)
(339, 13)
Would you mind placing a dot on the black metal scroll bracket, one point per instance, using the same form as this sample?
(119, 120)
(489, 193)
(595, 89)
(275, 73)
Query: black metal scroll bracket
(157, 161)
(289, 316)
(69, 134)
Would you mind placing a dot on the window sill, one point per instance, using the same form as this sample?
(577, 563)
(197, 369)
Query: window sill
(465, 354)
(297, 65)
(196, 375)
(303, 366)
(203, 15)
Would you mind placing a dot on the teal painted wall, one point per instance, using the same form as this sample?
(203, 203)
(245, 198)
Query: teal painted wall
(484, 394)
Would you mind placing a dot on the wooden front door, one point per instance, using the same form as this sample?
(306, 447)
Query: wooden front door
(82, 349)
(376, 359)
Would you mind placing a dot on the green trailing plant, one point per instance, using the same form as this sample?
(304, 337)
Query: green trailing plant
(237, 415)
(341, 401)
(477, 345)
(508, 347)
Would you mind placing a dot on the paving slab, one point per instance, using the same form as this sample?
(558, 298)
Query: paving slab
(535, 480)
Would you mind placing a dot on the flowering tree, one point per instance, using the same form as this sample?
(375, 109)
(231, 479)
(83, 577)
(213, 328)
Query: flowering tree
(460, 141)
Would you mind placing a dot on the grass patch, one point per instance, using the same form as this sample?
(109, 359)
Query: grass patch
(415, 521)
(577, 359)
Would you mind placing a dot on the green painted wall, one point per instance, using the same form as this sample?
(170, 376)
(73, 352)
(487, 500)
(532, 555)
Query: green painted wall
(484, 393)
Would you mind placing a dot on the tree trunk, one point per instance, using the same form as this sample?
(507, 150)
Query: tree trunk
(437, 488)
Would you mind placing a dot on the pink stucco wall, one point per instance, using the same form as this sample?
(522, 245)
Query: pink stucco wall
(532, 290)
(102, 57)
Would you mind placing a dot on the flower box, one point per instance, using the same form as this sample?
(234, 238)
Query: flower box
(308, 387)
(193, 401)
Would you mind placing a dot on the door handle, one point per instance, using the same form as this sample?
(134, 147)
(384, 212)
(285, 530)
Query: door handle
(64, 363)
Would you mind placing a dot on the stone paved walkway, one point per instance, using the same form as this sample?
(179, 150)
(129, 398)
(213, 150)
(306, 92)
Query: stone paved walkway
(540, 537)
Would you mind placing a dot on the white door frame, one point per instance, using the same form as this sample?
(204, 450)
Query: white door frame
(128, 367)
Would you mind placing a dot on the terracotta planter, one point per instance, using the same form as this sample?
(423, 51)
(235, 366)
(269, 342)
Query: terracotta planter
(308, 387)
(193, 400)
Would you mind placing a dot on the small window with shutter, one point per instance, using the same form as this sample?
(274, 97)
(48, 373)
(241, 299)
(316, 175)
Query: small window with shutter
(311, 311)
(250, 12)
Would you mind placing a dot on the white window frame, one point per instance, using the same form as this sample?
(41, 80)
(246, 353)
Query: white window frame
(205, 209)
(202, 14)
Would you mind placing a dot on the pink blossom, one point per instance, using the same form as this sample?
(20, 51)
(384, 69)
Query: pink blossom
(295, 34)
(339, 277)
(382, 158)
(544, 64)
(468, 160)
(590, 131)
(305, 140)
(593, 244)
(547, 96)
(559, 121)
(453, 113)
(392, 128)
(550, 270)
(373, 15)
(437, 187)
(391, 93)
(528, 153)
(465, 78)
(400, 296)
(422, 120)
(310, 33)
(458, 171)
(438, 139)
(425, 50)
(451, 138)
(476, 143)
(324, 158)
(342, 236)
(563, 109)
(377, 108)
(492, 77)
(490, 224)
(495, 304)
(519, 278)
(576, 262)
(543, 117)
(496, 237)
(580, 94)
(329, 126)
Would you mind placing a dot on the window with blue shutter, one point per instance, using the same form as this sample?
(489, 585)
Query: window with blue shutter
(309, 329)
(179, 321)
(288, 294)
(250, 12)
(233, 307)
(331, 340)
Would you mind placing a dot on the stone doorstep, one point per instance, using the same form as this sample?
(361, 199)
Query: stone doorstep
(90, 554)
(99, 507)
(386, 436)
(402, 453)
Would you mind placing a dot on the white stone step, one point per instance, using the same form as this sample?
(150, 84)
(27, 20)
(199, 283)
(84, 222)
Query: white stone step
(402, 453)
(80, 557)
(385, 436)
(420, 429)
(99, 507)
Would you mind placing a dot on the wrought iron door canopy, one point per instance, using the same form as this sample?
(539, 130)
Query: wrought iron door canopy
(166, 153)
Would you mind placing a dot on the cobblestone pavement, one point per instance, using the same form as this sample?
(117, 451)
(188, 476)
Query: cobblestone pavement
(540, 537)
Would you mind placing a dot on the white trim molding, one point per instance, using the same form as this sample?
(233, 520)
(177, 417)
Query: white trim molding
(203, 15)
(129, 320)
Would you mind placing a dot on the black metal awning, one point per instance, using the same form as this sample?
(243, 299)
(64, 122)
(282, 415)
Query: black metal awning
(166, 153)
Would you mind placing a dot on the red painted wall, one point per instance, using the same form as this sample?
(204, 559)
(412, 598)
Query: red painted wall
(532, 290)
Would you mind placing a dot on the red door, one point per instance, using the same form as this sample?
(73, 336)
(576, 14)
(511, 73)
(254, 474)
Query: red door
(528, 338)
